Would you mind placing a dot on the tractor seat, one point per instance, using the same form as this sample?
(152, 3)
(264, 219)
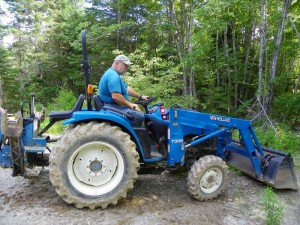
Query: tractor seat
(68, 114)
(98, 102)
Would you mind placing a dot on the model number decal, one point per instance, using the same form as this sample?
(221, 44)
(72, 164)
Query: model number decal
(176, 141)
(220, 118)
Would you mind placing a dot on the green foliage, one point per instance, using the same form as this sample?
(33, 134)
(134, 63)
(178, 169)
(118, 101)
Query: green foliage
(212, 99)
(157, 77)
(63, 102)
(242, 110)
(235, 170)
(200, 54)
(273, 208)
(287, 109)
(8, 85)
(43, 50)
(282, 139)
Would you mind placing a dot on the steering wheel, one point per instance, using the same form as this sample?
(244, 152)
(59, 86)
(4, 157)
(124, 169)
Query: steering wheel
(146, 102)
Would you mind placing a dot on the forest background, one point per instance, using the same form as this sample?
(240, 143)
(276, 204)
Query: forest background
(217, 56)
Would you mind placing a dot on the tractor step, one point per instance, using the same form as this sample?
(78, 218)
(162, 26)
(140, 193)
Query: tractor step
(35, 149)
(155, 154)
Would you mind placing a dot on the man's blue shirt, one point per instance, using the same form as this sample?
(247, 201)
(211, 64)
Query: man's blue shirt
(110, 82)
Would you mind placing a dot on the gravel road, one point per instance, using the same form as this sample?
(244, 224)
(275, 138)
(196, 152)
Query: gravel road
(160, 198)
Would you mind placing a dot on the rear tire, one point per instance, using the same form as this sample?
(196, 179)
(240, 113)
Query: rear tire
(207, 178)
(94, 165)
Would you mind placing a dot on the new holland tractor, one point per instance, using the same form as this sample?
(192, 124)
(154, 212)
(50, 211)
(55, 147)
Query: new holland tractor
(96, 160)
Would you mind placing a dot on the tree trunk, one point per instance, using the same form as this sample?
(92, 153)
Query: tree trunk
(217, 59)
(119, 22)
(1, 94)
(171, 10)
(274, 61)
(236, 81)
(247, 44)
(226, 52)
(261, 53)
(189, 30)
(297, 83)
(184, 44)
(295, 28)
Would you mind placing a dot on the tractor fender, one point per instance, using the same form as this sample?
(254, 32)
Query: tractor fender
(103, 115)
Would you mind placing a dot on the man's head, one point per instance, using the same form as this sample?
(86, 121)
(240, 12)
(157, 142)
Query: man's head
(121, 64)
(124, 59)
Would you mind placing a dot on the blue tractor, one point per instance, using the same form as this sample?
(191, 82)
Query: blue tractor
(96, 160)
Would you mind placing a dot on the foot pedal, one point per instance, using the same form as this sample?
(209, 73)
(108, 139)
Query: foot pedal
(154, 152)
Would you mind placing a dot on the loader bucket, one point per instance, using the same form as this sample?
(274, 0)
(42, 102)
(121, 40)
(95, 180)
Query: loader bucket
(277, 168)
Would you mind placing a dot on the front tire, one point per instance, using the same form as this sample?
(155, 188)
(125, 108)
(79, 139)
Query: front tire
(94, 165)
(207, 178)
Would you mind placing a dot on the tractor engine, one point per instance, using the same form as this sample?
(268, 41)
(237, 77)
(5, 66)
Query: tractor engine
(197, 151)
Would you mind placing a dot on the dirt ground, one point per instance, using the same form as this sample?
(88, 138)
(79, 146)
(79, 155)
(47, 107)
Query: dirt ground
(156, 199)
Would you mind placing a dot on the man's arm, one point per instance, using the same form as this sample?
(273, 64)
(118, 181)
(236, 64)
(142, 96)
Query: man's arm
(119, 99)
(133, 93)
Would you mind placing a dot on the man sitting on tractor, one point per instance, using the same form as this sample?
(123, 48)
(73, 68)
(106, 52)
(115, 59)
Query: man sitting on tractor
(114, 92)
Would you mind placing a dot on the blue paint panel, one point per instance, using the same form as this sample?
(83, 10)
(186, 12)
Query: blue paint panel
(39, 141)
(27, 133)
(98, 115)
(175, 140)
(0, 126)
(5, 158)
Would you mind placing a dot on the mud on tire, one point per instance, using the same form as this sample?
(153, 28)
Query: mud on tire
(207, 178)
(94, 165)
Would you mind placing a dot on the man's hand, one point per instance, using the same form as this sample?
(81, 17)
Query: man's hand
(135, 107)
(144, 97)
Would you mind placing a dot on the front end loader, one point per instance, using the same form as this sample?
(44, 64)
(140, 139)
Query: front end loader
(270, 166)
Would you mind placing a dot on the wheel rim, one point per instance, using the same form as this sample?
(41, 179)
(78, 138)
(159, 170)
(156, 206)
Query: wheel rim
(211, 180)
(95, 168)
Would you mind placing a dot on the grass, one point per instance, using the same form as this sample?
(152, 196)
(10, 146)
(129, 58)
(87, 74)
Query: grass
(56, 128)
(235, 170)
(282, 139)
(274, 209)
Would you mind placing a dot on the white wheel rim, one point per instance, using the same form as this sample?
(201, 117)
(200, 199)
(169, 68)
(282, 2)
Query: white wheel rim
(95, 168)
(211, 180)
